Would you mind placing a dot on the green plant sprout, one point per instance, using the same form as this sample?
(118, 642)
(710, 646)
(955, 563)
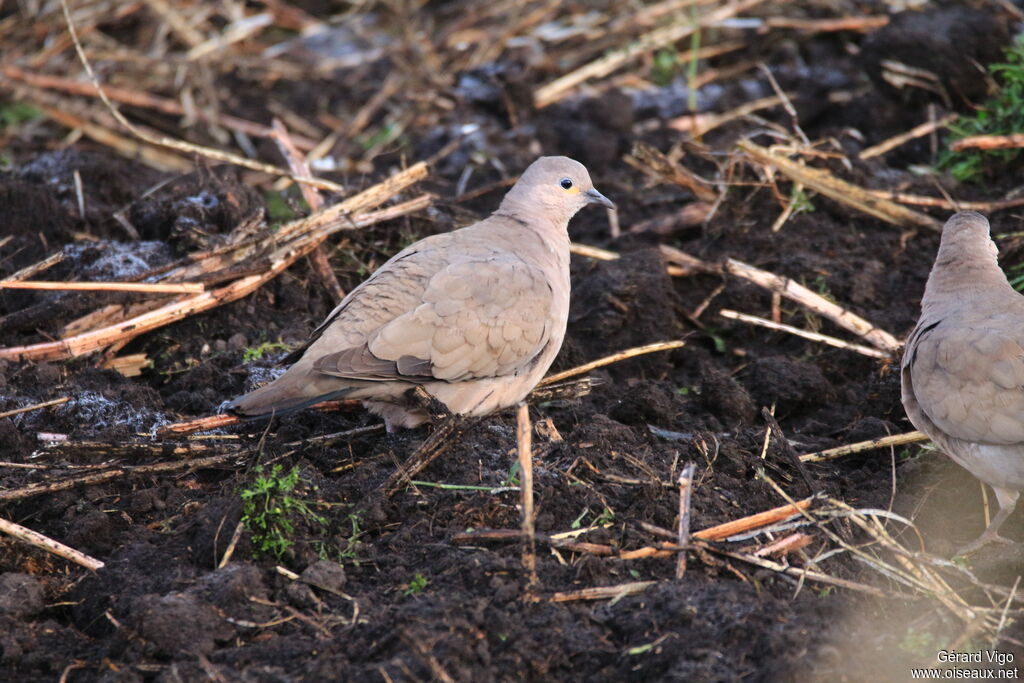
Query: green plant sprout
(269, 508)
(1002, 114)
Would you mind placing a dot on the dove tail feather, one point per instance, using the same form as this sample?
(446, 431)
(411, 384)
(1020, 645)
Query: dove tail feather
(261, 404)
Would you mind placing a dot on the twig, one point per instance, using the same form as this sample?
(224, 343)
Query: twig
(865, 24)
(236, 536)
(49, 545)
(787, 449)
(118, 449)
(129, 366)
(755, 521)
(683, 532)
(37, 406)
(297, 163)
(869, 445)
(614, 358)
(154, 288)
(921, 130)
(701, 124)
(813, 336)
(650, 160)
(988, 142)
(820, 180)
(523, 443)
(785, 545)
(36, 268)
(99, 477)
(603, 592)
(596, 253)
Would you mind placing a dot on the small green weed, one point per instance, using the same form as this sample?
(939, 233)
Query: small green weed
(800, 201)
(1002, 114)
(664, 67)
(13, 114)
(416, 585)
(257, 352)
(270, 508)
(606, 516)
(512, 478)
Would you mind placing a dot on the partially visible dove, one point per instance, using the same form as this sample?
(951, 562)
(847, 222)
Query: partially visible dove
(963, 367)
(475, 316)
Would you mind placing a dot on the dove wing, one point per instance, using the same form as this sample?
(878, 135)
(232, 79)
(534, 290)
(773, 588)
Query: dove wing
(484, 315)
(967, 379)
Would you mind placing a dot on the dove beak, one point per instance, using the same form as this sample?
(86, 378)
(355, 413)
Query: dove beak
(595, 197)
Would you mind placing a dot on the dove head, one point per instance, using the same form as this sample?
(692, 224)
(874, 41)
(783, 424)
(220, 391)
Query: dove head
(967, 263)
(554, 188)
(966, 241)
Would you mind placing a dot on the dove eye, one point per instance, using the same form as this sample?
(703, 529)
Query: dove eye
(565, 183)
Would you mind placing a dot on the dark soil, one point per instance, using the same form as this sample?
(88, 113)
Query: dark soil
(383, 591)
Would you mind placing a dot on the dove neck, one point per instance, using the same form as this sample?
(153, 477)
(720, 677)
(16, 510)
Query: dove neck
(965, 269)
(538, 219)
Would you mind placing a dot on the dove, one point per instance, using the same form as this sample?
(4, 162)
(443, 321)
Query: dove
(474, 316)
(963, 366)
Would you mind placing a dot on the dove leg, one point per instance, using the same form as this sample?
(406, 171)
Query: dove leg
(1007, 502)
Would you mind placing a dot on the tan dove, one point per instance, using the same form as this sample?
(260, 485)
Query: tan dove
(963, 367)
(474, 316)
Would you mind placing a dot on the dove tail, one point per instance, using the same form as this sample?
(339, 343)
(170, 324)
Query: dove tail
(275, 400)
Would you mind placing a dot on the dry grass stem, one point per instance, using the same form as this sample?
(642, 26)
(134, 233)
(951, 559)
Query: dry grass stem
(524, 433)
(738, 526)
(699, 125)
(604, 592)
(596, 253)
(156, 288)
(988, 142)
(921, 130)
(943, 203)
(37, 406)
(683, 531)
(813, 336)
(860, 446)
(608, 360)
(36, 268)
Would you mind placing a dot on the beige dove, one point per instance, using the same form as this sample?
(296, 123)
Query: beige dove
(963, 367)
(475, 316)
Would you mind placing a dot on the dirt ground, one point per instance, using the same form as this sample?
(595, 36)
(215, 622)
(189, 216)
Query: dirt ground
(384, 588)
